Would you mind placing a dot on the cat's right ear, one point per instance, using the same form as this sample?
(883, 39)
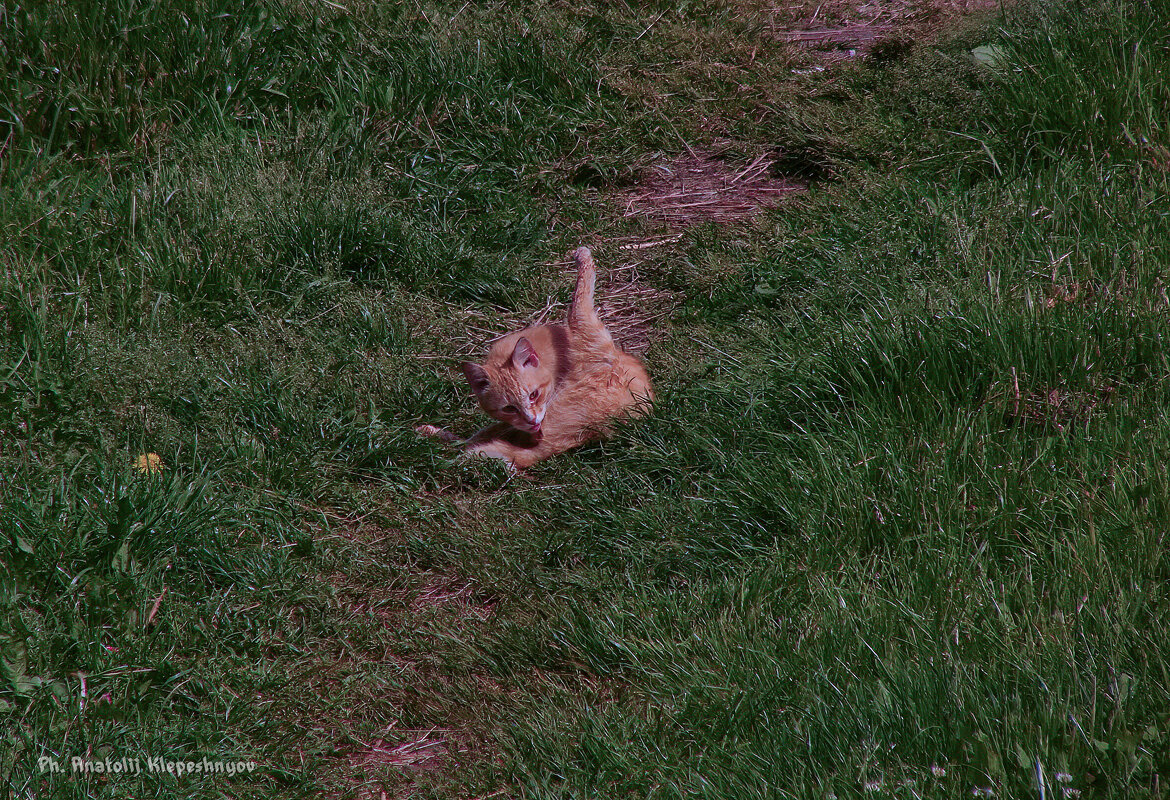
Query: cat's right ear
(476, 376)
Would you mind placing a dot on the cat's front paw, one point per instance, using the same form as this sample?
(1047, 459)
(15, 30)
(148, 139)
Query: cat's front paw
(433, 430)
(493, 449)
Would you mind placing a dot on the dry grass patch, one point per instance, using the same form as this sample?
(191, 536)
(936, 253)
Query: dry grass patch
(1052, 407)
(406, 755)
(364, 694)
(840, 29)
(703, 187)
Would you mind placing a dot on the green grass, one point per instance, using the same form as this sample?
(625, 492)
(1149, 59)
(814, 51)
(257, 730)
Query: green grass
(897, 524)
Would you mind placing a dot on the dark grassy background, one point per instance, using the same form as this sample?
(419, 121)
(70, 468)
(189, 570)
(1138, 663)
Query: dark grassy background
(898, 523)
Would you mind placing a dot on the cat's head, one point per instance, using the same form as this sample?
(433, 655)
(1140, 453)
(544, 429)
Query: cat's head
(514, 384)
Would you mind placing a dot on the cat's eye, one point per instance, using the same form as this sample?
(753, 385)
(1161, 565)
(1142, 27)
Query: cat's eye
(509, 409)
(534, 394)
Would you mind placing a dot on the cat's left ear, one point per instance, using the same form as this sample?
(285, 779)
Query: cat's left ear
(525, 355)
(476, 376)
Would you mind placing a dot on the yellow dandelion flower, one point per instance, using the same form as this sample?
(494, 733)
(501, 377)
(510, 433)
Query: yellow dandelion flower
(149, 462)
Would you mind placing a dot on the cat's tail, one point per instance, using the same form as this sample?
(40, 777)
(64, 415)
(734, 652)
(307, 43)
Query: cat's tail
(586, 280)
(583, 317)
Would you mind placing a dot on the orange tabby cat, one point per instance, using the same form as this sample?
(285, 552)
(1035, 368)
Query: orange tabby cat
(553, 387)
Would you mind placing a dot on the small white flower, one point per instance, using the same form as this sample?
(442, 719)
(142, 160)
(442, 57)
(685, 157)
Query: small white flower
(1063, 777)
(873, 786)
(937, 771)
